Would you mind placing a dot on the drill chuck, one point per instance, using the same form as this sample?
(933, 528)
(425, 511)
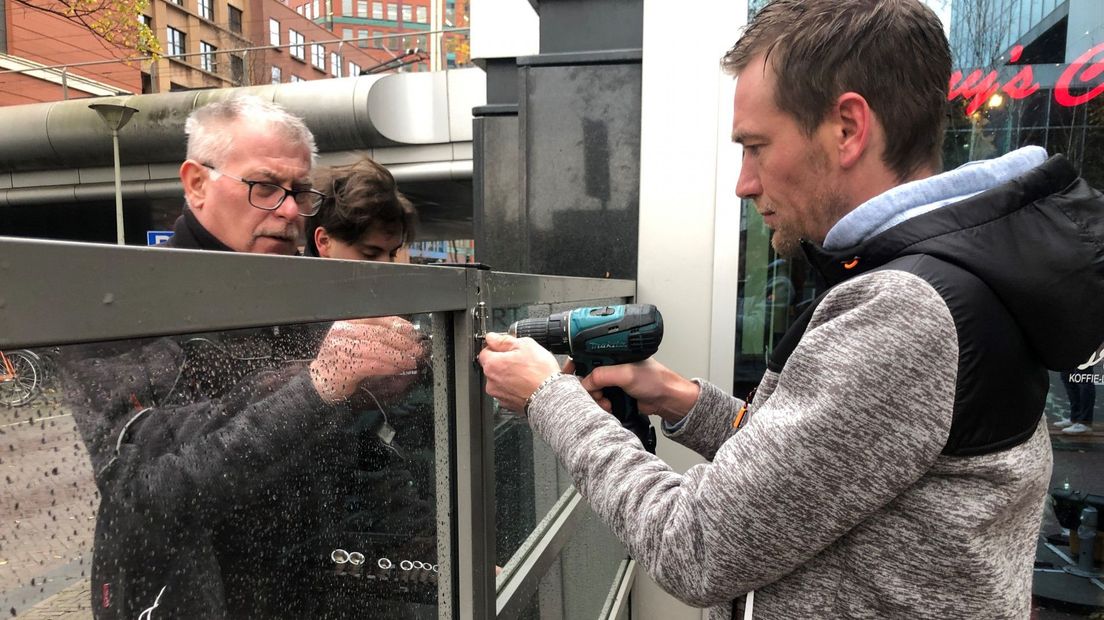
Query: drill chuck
(550, 333)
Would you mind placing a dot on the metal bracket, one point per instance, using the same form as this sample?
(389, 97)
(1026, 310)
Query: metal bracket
(479, 323)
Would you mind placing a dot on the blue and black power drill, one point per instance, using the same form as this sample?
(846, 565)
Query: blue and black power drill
(603, 336)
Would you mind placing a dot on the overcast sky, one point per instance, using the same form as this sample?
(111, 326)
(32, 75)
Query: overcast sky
(942, 8)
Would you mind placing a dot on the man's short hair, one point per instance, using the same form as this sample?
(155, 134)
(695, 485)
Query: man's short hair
(892, 52)
(209, 142)
(360, 198)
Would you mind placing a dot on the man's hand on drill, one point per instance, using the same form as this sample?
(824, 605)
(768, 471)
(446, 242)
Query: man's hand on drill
(657, 389)
(515, 368)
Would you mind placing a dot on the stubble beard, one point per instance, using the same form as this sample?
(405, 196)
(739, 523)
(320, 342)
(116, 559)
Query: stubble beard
(786, 240)
(785, 243)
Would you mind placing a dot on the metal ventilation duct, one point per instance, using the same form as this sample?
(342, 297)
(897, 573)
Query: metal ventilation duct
(345, 114)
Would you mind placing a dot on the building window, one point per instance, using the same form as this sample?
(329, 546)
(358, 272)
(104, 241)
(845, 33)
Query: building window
(176, 41)
(362, 38)
(206, 10)
(392, 11)
(273, 32)
(354, 69)
(295, 78)
(207, 56)
(362, 8)
(237, 69)
(423, 17)
(377, 40)
(347, 8)
(377, 10)
(235, 19)
(335, 65)
(394, 43)
(407, 13)
(317, 10)
(347, 34)
(318, 56)
(147, 21)
(275, 75)
(297, 45)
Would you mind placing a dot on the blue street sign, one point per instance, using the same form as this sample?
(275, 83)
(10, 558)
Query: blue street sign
(157, 237)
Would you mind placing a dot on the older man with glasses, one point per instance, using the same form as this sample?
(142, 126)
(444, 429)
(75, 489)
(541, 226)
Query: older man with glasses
(246, 179)
(218, 457)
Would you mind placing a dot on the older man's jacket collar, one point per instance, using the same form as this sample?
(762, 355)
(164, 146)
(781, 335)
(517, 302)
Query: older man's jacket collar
(189, 234)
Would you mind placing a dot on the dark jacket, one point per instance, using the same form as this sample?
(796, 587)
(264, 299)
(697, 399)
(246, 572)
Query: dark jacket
(1021, 269)
(210, 453)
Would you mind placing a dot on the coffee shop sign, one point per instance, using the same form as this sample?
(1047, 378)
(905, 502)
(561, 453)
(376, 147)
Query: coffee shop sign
(1084, 73)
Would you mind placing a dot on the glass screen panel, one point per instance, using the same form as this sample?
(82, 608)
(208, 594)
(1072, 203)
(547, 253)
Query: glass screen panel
(528, 478)
(581, 579)
(205, 475)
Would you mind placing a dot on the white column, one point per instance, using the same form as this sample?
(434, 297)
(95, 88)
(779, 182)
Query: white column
(689, 213)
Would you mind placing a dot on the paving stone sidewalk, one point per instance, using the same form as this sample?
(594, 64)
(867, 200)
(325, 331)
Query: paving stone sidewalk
(72, 603)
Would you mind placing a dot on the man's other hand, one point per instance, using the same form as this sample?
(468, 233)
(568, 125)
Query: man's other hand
(383, 352)
(657, 389)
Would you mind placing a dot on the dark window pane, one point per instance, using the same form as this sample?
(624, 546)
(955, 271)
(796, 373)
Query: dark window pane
(1032, 112)
(235, 20)
(1092, 161)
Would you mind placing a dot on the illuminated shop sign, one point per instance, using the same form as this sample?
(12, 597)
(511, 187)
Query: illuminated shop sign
(978, 87)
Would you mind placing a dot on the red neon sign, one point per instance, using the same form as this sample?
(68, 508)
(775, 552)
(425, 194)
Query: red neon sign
(979, 87)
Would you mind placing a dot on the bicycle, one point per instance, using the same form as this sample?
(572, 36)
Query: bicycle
(21, 377)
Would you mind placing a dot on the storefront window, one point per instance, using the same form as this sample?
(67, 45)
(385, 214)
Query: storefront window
(1026, 72)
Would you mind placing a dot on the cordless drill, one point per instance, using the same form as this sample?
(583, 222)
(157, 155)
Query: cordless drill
(603, 336)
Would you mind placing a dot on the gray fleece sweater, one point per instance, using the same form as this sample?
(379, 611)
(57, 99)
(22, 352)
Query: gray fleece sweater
(833, 500)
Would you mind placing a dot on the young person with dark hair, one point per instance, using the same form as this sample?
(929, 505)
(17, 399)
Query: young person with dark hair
(363, 217)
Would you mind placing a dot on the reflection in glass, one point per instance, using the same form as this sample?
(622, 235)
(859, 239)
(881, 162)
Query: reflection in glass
(1074, 399)
(769, 299)
(230, 488)
(579, 582)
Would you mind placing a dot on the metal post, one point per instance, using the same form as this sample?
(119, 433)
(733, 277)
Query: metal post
(1086, 535)
(115, 116)
(436, 21)
(475, 484)
(120, 239)
(65, 83)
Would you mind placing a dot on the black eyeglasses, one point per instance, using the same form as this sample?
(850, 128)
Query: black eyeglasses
(269, 196)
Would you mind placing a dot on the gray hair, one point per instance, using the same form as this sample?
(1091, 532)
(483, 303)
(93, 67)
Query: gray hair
(208, 142)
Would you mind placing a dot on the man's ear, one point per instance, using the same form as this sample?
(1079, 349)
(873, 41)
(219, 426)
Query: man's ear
(856, 125)
(193, 176)
(322, 242)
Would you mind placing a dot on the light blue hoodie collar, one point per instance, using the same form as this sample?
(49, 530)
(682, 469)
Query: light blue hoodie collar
(909, 200)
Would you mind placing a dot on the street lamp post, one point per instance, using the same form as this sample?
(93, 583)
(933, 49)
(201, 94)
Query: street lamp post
(115, 116)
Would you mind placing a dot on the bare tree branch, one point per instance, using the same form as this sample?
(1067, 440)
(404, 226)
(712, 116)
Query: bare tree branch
(117, 24)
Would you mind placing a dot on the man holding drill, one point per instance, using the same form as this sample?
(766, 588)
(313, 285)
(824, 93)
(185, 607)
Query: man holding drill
(892, 462)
